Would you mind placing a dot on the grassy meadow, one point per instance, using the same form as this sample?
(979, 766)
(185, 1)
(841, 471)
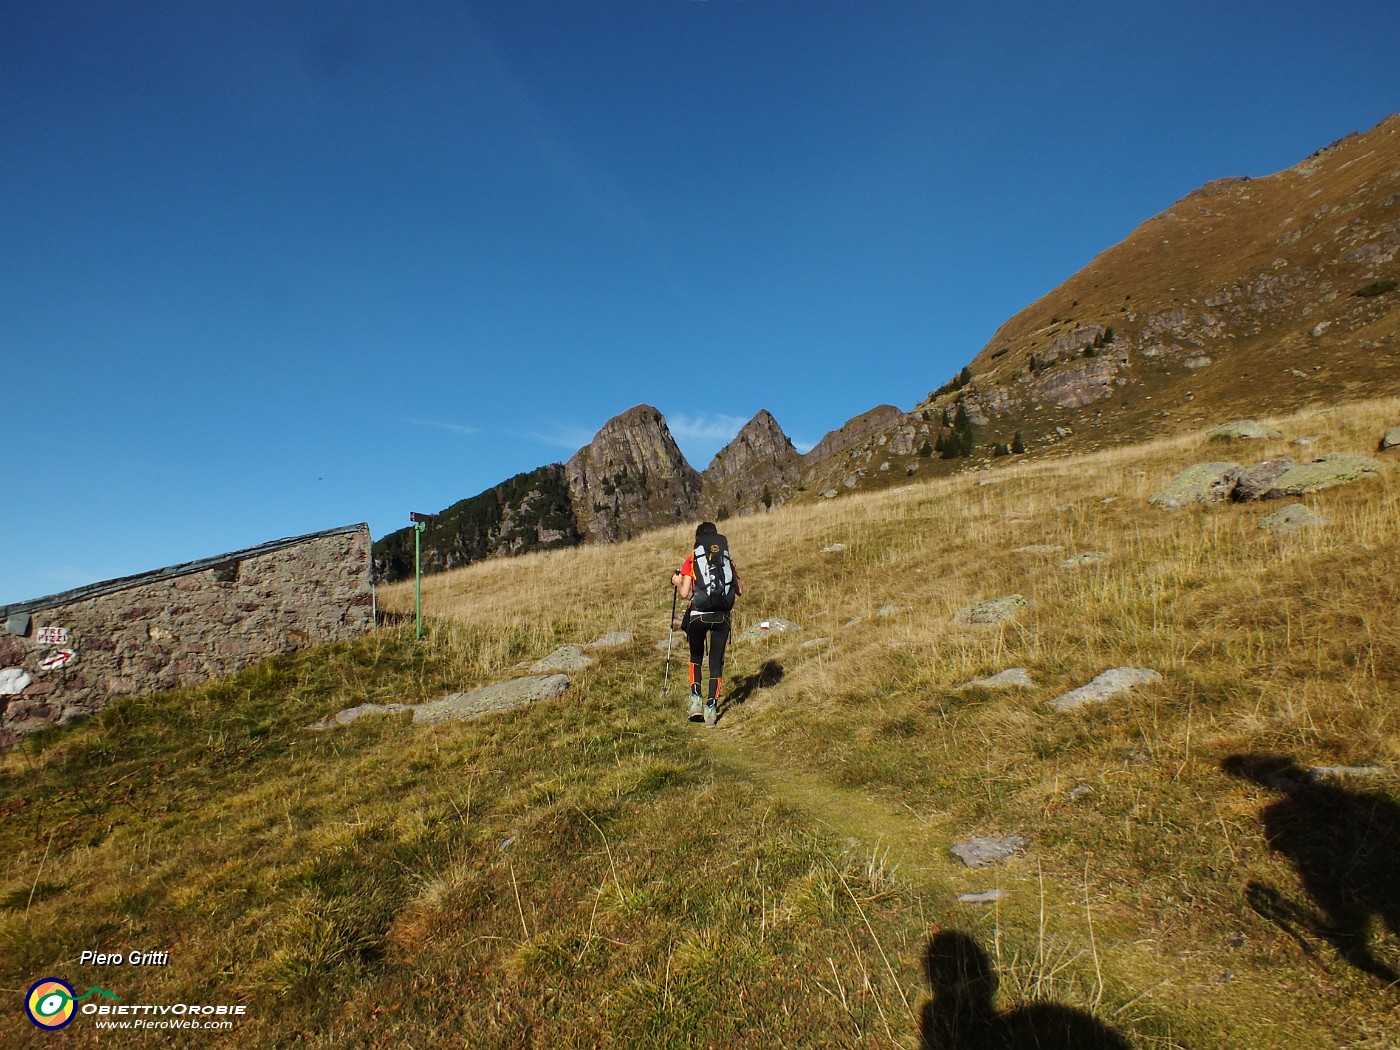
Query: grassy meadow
(595, 871)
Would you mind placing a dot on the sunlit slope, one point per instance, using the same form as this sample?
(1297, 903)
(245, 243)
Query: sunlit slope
(1284, 648)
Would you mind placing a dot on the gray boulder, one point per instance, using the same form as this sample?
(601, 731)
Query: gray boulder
(354, 714)
(993, 610)
(1339, 468)
(1259, 478)
(1390, 439)
(1200, 483)
(1087, 558)
(773, 627)
(1109, 684)
(978, 852)
(565, 658)
(1012, 678)
(503, 696)
(610, 639)
(1291, 518)
(1243, 430)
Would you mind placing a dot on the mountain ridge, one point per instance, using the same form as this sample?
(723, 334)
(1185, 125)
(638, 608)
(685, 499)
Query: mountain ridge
(1247, 296)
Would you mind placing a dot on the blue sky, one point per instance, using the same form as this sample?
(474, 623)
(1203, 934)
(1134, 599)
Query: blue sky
(273, 267)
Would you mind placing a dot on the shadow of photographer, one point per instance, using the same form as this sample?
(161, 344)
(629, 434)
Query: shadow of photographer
(1344, 845)
(962, 1014)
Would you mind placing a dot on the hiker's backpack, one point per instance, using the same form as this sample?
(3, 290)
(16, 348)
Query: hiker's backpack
(714, 576)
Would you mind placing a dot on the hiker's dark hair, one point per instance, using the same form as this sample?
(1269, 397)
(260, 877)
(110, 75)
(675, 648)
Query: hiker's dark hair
(705, 528)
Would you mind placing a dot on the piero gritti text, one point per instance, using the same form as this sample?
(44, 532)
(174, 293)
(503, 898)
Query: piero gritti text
(90, 958)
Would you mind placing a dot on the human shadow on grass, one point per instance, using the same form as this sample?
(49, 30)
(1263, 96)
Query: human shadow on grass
(962, 1015)
(1345, 846)
(769, 675)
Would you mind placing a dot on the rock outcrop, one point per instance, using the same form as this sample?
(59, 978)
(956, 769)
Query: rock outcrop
(1198, 483)
(758, 469)
(1336, 469)
(631, 477)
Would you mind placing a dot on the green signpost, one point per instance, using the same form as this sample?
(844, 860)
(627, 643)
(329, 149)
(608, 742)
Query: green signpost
(420, 522)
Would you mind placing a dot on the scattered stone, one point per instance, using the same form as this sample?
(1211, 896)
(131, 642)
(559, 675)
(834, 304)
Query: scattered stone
(1087, 558)
(565, 658)
(834, 548)
(985, 897)
(1390, 439)
(1039, 548)
(1291, 518)
(610, 639)
(813, 643)
(993, 610)
(1316, 773)
(829, 494)
(1242, 430)
(1258, 479)
(503, 696)
(14, 680)
(765, 629)
(1080, 791)
(886, 611)
(1013, 678)
(1193, 363)
(1200, 483)
(1112, 682)
(978, 852)
(353, 714)
(1339, 468)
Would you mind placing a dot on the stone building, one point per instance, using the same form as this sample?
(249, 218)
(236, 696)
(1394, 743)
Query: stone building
(70, 654)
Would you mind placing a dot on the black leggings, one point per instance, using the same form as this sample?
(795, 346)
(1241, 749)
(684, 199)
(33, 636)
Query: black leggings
(695, 630)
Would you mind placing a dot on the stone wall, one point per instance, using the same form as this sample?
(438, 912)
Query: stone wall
(70, 654)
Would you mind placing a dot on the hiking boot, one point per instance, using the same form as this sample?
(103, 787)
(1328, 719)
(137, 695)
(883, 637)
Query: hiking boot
(712, 712)
(696, 707)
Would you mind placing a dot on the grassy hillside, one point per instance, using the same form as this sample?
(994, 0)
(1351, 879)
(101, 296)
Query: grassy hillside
(595, 871)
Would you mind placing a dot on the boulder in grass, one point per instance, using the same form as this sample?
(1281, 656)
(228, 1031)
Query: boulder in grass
(1259, 478)
(1291, 518)
(1199, 483)
(503, 696)
(993, 610)
(1013, 678)
(1109, 684)
(354, 714)
(1079, 561)
(1339, 468)
(565, 658)
(1243, 430)
(610, 639)
(1390, 439)
(978, 852)
(766, 629)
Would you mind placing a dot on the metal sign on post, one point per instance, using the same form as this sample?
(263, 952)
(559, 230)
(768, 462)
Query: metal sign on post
(420, 523)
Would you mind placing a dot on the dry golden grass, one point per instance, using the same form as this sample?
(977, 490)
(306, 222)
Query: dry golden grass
(1273, 645)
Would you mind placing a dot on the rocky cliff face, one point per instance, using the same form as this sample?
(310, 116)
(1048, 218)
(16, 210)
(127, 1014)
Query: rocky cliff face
(758, 469)
(631, 477)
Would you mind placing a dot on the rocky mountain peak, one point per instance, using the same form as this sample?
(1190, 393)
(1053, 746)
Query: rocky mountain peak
(631, 477)
(756, 469)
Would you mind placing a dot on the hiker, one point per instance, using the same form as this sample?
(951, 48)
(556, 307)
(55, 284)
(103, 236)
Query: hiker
(710, 582)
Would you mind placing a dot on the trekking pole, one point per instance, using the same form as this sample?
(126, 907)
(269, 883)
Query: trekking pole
(670, 635)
